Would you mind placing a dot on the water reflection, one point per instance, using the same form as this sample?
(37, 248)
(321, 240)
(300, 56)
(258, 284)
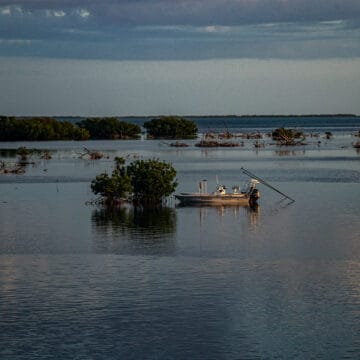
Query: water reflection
(8, 153)
(134, 230)
(234, 211)
(287, 152)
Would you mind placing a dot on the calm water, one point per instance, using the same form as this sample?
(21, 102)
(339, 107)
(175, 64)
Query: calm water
(280, 281)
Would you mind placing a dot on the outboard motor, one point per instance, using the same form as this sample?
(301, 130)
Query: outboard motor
(254, 196)
(254, 193)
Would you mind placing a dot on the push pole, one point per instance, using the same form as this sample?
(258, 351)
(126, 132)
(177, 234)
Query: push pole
(250, 174)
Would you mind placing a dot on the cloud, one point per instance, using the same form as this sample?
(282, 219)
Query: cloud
(181, 29)
(199, 12)
(39, 12)
(59, 13)
(55, 13)
(212, 29)
(84, 13)
(16, 41)
(5, 11)
(11, 10)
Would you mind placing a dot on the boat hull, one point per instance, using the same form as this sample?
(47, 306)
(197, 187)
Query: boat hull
(213, 199)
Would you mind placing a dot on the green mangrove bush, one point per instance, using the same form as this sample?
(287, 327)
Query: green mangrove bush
(171, 127)
(146, 182)
(110, 128)
(39, 129)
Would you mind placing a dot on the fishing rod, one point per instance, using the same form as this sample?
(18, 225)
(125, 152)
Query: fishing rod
(250, 174)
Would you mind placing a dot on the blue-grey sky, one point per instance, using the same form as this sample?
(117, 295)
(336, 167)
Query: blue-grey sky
(151, 51)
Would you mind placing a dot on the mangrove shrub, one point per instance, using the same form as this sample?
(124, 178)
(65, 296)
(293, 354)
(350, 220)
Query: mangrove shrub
(142, 181)
(283, 133)
(110, 128)
(38, 129)
(115, 187)
(288, 136)
(171, 127)
(152, 180)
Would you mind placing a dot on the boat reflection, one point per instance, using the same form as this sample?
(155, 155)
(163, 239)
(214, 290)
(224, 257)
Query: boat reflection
(246, 211)
(134, 230)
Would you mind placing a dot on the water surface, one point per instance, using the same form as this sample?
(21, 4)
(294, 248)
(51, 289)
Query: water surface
(279, 281)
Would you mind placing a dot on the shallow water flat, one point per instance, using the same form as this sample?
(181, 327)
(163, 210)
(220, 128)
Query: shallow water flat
(278, 281)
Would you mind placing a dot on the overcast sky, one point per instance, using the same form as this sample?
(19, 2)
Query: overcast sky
(148, 50)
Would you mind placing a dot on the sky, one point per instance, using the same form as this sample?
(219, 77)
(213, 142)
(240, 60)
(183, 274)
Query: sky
(149, 57)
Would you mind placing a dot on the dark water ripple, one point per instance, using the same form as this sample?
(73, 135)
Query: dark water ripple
(112, 307)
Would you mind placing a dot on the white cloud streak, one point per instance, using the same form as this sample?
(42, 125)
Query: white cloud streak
(49, 12)
(5, 11)
(83, 13)
(16, 41)
(59, 13)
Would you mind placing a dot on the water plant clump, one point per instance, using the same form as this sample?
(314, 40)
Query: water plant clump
(24, 153)
(178, 144)
(328, 135)
(16, 168)
(215, 143)
(92, 154)
(145, 182)
(257, 144)
(288, 137)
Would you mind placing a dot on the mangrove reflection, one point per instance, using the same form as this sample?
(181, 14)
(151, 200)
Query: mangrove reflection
(8, 153)
(135, 230)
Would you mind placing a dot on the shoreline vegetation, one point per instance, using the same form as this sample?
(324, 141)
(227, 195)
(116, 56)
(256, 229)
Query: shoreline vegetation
(289, 138)
(164, 127)
(106, 128)
(49, 129)
(113, 128)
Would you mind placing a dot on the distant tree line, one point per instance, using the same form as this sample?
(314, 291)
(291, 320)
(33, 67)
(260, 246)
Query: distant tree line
(111, 128)
(38, 129)
(48, 128)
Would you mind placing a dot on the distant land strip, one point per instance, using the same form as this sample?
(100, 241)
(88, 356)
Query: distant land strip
(276, 116)
(199, 116)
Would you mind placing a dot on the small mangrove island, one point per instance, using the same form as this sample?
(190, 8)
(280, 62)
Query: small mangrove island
(109, 129)
(171, 127)
(144, 182)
